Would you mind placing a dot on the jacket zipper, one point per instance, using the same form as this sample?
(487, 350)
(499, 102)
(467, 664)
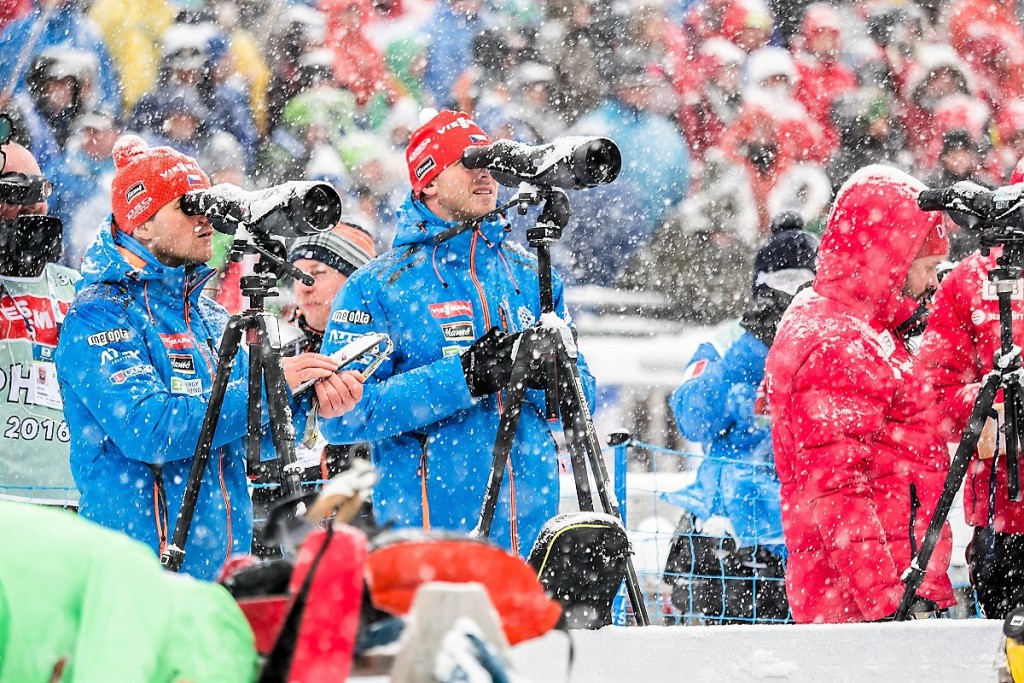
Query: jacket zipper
(513, 519)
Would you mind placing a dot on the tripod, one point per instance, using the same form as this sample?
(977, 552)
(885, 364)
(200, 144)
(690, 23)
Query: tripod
(1005, 375)
(263, 338)
(546, 358)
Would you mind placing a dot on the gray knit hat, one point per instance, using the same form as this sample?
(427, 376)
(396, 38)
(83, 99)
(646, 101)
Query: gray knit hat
(345, 248)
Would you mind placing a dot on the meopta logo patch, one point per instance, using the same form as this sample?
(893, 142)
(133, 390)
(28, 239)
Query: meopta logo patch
(134, 191)
(121, 376)
(425, 166)
(188, 387)
(183, 362)
(177, 341)
(109, 337)
(451, 309)
(461, 331)
(351, 317)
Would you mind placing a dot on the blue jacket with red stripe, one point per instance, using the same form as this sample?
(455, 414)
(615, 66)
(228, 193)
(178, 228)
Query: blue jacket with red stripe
(431, 439)
(136, 362)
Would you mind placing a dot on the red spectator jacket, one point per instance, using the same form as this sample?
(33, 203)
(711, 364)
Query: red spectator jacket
(850, 426)
(957, 351)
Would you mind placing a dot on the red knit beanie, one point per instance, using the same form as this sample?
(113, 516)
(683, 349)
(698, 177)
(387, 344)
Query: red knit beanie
(146, 178)
(438, 144)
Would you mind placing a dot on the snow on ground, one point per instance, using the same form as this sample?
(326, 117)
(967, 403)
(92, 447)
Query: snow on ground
(929, 651)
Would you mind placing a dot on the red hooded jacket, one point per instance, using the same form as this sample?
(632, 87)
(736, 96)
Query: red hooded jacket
(851, 428)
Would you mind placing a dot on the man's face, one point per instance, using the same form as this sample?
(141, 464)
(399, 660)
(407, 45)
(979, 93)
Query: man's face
(314, 301)
(20, 160)
(922, 279)
(99, 144)
(460, 194)
(176, 239)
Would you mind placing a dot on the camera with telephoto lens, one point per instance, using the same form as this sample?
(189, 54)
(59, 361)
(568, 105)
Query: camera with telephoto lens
(289, 210)
(997, 216)
(23, 189)
(571, 163)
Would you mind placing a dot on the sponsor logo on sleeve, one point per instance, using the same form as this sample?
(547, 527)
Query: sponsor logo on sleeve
(695, 369)
(424, 167)
(351, 317)
(188, 387)
(180, 340)
(183, 362)
(121, 376)
(451, 351)
(109, 337)
(134, 191)
(460, 331)
(451, 309)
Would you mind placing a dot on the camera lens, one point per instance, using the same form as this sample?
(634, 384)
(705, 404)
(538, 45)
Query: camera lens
(601, 162)
(321, 207)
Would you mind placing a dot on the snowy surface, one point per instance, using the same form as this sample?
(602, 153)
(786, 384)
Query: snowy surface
(932, 651)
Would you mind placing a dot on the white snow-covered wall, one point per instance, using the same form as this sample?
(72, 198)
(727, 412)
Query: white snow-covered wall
(927, 651)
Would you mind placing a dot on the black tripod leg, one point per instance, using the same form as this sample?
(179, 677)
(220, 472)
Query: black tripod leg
(282, 431)
(914, 575)
(1013, 407)
(174, 554)
(506, 436)
(255, 401)
(581, 438)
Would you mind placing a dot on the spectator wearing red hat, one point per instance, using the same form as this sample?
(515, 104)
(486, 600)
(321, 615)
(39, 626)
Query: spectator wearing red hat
(957, 351)
(453, 304)
(137, 361)
(857, 451)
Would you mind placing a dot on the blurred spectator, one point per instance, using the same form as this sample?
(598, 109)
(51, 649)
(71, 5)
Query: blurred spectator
(655, 160)
(300, 32)
(32, 132)
(451, 29)
(13, 9)
(175, 117)
(394, 21)
(714, 104)
(59, 83)
(696, 261)
(1009, 133)
(132, 32)
(358, 66)
(821, 76)
(996, 57)
(937, 74)
(406, 60)
(961, 158)
(66, 27)
(533, 85)
(577, 41)
(869, 133)
(81, 197)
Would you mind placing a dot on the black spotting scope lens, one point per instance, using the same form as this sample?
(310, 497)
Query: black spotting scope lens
(597, 163)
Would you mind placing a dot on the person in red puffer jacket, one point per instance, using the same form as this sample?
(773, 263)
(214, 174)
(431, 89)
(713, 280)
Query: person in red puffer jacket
(956, 353)
(856, 447)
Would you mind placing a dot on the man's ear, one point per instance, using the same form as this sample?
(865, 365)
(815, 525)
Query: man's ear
(144, 231)
(430, 189)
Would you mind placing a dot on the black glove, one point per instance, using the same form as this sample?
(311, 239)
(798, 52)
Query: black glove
(762, 317)
(487, 364)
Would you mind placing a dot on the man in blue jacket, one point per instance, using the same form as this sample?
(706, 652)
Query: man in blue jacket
(720, 404)
(136, 362)
(432, 411)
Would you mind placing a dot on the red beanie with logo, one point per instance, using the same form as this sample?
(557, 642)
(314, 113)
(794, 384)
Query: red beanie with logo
(146, 178)
(438, 144)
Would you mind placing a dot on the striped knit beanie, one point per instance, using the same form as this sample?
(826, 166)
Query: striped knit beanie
(344, 248)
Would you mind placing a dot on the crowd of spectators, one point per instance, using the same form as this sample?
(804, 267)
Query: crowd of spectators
(726, 111)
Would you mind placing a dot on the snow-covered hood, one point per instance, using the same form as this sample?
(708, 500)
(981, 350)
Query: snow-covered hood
(119, 258)
(874, 232)
(419, 225)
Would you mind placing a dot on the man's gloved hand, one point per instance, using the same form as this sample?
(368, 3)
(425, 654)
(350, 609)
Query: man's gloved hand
(487, 364)
(763, 314)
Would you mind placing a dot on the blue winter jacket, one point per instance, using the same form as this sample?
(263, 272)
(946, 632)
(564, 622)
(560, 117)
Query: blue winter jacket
(717, 406)
(431, 440)
(135, 363)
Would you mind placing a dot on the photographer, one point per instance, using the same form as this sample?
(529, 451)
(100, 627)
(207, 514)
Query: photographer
(137, 360)
(856, 447)
(453, 308)
(34, 296)
(957, 352)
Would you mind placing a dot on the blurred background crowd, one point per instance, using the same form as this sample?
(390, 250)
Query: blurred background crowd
(726, 111)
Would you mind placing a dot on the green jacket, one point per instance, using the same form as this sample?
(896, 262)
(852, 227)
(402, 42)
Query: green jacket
(71, 590)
